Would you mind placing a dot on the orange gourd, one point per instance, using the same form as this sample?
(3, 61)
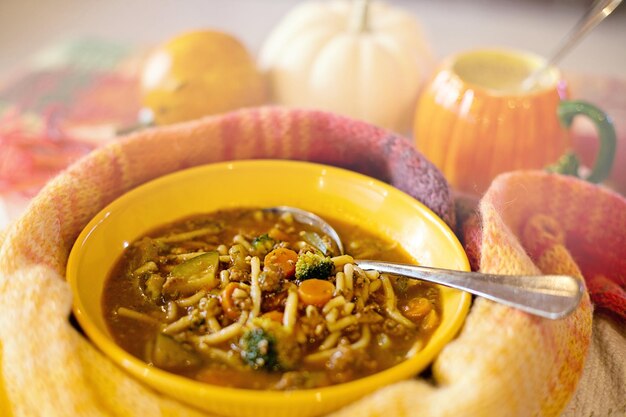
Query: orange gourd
(475, 119)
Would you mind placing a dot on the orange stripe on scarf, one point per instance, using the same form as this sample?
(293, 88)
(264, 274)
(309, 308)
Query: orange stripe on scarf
(555, 217)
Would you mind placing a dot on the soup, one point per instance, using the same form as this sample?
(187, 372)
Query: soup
(253, 299)
(503, 72)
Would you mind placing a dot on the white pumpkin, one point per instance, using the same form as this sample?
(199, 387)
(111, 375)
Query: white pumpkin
(358, 58)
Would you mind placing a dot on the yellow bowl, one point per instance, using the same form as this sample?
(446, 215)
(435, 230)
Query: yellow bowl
(326, 190)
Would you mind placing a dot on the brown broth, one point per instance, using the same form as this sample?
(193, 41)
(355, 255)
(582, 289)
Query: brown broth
(389, 341)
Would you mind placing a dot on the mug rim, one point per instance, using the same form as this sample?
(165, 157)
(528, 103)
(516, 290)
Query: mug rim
(556, 78)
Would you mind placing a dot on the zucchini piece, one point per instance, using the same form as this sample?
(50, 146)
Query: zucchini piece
(154, 286)
(316, 241)
(193, 274)
(168, 354)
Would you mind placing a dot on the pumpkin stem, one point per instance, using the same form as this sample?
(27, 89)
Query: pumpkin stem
(359, 16)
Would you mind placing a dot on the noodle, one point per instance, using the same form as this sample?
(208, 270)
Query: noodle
(364, 340)
(311, 311)
(323, 355)
(213, 324)
(348, 270)
(171, 312)
(222, 335)
(240, 294)
(348, 308)
(224, 277)
(341, 260)
(372, 274)
(342, 323)
(255, 288)
(390, 304)
(340, 283)
(331, 317)
(132, 314)
(191, 300)
(319, 356)
(243, 242)
(218, 354)
(375, 286)
(330, 341)
(291, 310)
(333, 302)
(179, 325)
(243, 318)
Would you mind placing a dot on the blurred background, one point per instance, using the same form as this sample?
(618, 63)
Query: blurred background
(27, 26)
(69, 69)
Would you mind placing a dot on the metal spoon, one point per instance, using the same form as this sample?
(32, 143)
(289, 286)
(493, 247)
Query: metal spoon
(548, 296)
(596, 14)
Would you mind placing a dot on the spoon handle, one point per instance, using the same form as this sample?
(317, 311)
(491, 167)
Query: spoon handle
(600, 10)
(548, 296)
(596, 14)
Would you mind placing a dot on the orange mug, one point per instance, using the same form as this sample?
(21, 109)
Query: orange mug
(476, 119)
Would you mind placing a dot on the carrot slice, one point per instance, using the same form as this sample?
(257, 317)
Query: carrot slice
(417, 308)
(316, 292)
(282, 259)
(274, 315)
(230, 309)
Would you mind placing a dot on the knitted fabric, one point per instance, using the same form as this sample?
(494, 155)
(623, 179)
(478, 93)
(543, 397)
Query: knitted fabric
(553, 214)
(503, 362)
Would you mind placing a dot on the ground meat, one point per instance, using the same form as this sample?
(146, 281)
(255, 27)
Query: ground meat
(239, 275)
(345, 362)
(393, 328)
(273, 301)
(377, 297)
(310, 324)
(243, 304)
(370, 314)
(270, 279)
(352, 333)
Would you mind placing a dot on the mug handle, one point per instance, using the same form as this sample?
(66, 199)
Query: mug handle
(566, 111)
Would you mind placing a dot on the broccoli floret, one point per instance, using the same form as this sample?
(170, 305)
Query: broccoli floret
(270, 347)
(258, 349)
(263, 244)
(313, 265)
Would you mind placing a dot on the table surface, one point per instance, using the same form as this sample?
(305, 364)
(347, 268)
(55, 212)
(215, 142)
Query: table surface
(28, 26)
